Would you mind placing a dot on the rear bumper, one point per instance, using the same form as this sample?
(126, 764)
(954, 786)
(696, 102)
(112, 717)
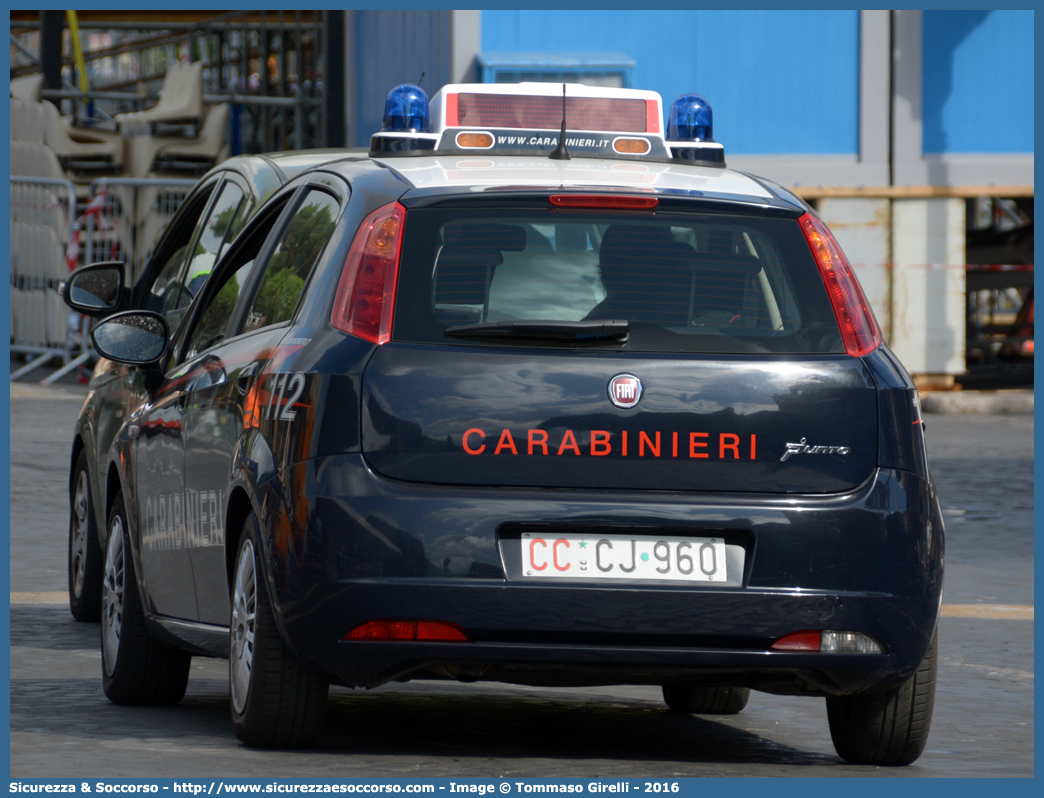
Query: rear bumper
(357, 547)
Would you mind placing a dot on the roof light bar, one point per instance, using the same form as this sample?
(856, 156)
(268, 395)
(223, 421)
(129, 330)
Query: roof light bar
(603, 201)
(527, 119)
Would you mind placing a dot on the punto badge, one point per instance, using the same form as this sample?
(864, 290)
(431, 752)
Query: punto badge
(625, 390)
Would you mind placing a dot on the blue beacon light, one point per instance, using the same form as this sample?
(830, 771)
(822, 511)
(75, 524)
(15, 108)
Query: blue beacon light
(690, 119)
(406, 110)
(690, 131)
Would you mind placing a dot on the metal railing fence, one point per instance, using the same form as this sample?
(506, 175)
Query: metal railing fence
(126, 216)
(43, 232)
(123, 220)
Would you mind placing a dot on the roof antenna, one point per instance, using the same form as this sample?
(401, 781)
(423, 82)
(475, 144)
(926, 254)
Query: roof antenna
(561, 153)
(421, 78)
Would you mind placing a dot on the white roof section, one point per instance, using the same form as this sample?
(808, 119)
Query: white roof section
(478, 173)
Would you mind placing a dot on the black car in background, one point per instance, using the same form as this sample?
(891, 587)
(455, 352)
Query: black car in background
(207, 222)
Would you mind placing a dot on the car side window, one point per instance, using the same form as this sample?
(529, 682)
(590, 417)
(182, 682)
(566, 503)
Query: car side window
(298, 250)
(164, 295)
(246, 211)
(214, 233)
(212, 323)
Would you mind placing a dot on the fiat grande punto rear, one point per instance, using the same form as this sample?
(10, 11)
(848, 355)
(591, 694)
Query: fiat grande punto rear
(614, 445)
(538, 401)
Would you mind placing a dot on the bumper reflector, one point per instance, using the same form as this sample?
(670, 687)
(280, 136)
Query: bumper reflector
(829, 642)
(408, 630)
(798, 641)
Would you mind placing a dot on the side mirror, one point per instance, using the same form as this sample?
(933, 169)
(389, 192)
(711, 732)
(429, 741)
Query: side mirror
(136, 337)
(96, 290)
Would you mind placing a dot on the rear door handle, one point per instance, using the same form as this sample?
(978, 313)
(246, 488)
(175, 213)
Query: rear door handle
(183, 397)
(244, 377)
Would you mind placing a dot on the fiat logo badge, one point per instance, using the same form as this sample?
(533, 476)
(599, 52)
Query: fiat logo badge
(625, 390)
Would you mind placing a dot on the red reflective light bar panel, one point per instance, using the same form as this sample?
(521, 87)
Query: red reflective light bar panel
(602, 201)
(545, 113)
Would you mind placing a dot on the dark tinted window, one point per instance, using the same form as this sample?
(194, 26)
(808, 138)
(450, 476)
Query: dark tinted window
(212, 236)
(167, 294)
(296, 253)
(212, 326)
(685, 282)
(212, 323)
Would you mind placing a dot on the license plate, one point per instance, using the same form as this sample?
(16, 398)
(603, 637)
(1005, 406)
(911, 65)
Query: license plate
(573, 556)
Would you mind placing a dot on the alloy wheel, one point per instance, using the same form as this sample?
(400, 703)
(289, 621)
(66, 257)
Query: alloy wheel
(113, 591)
(79, 533)
(244, 617)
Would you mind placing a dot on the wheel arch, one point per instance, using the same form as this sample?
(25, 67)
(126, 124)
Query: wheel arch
(77, 447)
(113, 486)
(239, 509)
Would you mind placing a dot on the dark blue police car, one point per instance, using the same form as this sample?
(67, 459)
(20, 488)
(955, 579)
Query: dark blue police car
(537, 392)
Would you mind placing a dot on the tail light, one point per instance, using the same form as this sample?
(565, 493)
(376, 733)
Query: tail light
(396, 630)
(365, 301)
(859, 328)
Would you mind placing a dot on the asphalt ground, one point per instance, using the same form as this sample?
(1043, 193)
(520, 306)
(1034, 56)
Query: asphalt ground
(62, 724)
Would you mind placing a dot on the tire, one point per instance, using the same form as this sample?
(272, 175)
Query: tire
(85, 555)
(135, 668)
(275, 702)
(701, 699)
(889, 728)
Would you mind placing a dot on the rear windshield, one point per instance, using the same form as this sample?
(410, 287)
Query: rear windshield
(685, 282)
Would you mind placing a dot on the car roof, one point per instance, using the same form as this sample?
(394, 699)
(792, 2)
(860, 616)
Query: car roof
(294, 163)
(472, 174)
(267, 171)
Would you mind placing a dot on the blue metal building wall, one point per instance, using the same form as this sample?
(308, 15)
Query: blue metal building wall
(978, 81)
(394, 47)
(779, 81)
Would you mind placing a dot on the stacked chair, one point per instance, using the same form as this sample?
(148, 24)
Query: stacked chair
(28, 88)
(81, 156)
(38, 235)
(177, 137)
(180, 103)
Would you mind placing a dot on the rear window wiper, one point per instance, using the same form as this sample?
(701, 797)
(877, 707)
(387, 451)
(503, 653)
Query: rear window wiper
(593, 330)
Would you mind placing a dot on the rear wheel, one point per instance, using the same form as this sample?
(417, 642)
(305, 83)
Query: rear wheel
(890, 728)
(701, 699)
(85, 555)
(276, 703)
(135, 668)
